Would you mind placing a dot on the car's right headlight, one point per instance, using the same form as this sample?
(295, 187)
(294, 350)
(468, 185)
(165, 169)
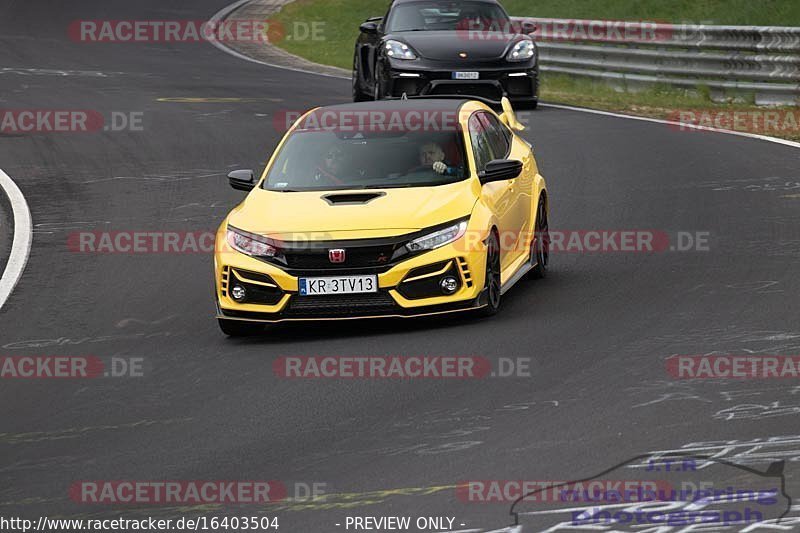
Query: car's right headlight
(438, 238)
(522, 51)
(398, 50)
(249, 244)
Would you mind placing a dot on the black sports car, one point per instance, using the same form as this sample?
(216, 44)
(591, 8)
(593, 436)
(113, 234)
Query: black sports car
(443, 47)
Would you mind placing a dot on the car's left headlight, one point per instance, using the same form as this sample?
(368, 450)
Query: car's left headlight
(522, 51)
(398, 50)
(438, 238)
(250, 244)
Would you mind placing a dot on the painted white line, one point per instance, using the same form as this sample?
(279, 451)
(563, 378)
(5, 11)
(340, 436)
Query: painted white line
(23, 238)
(221, 15)
(675, 123)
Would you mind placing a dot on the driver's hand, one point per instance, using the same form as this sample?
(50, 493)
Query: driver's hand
(439, 167)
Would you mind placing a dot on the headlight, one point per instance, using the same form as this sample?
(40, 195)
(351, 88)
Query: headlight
(398, 50)
(249, 244)
(522, 51)
(438, 238)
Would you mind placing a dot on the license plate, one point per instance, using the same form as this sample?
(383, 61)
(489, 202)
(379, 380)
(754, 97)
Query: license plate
(466, 75)
(338, 285)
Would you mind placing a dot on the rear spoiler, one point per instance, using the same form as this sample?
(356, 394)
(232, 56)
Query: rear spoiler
(508, 117)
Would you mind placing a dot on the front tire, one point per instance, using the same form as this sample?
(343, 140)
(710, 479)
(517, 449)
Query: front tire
(492, 285)
(358, 94)
(238, 328)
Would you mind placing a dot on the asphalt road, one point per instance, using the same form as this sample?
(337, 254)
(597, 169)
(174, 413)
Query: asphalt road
(597, 330)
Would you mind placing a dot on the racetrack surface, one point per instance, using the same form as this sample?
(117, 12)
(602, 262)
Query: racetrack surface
(597, 329)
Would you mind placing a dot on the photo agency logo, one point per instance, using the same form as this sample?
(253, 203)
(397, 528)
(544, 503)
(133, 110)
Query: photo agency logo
(676, 491)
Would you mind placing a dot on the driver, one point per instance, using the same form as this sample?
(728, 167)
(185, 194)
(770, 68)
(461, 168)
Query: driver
(331, 167)
(431, 155)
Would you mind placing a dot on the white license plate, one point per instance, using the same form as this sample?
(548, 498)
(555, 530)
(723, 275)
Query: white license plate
(338, 285)
(466, 75)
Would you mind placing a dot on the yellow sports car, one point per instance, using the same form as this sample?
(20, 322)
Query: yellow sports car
(397, 208)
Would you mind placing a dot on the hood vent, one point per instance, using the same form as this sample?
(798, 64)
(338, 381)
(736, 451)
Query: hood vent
(351, 198)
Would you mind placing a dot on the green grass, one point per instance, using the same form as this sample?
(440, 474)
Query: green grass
(341, 19)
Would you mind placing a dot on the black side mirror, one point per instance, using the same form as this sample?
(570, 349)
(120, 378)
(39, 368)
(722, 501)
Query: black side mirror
(500, 170)
(527, 26)
(242, 180)
(370, 27)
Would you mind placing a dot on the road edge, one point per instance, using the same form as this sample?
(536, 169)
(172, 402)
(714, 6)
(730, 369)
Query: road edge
(277, 55)
(22, 239)
(226, 12)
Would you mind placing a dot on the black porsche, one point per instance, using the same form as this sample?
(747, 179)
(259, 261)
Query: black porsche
(444, 47)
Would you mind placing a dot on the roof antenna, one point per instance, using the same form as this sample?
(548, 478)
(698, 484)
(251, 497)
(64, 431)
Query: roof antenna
(404, 97)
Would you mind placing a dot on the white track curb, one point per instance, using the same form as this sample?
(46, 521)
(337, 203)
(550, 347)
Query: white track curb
(23, 238)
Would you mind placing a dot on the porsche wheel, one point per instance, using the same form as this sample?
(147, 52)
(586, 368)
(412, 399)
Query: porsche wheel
(237, 328)
(540, 245)
(492, 286)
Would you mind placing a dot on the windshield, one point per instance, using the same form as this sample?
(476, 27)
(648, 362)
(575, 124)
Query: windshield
(446, 15)
(330, 160)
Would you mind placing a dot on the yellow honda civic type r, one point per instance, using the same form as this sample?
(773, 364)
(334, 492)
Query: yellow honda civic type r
(396, 208)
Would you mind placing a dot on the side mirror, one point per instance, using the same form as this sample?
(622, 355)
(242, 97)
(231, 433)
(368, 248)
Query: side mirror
(501, 170)
(527, 26)
(242, 180)
(370, 27)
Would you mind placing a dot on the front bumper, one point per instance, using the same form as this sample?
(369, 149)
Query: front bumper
(519, 85)
(406, 289)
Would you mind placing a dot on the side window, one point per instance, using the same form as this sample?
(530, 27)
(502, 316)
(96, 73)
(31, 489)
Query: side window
(497, 135)
(481, 144)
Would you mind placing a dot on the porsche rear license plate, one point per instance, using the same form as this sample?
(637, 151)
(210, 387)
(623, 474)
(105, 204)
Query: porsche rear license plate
(466, 75)
(338, 285)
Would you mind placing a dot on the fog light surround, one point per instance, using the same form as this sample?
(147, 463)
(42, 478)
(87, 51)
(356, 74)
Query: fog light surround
(449, 285)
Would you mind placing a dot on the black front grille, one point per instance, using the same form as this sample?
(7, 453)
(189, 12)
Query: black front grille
(361, 256)
(355, 257)
(411, 87)
(341, 305)
(490, 91)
